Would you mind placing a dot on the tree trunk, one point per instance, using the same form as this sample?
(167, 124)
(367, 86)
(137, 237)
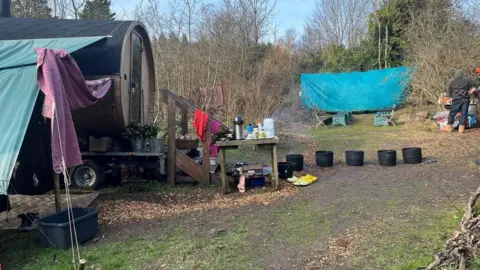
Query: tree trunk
(379, 45)
(386, 46)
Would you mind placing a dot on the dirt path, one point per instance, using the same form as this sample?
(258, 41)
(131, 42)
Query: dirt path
(354, 203)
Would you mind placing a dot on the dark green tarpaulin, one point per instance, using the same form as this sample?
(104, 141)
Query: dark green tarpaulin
(19, 91)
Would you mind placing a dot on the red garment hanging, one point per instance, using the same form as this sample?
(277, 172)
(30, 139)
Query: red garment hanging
(200, 122)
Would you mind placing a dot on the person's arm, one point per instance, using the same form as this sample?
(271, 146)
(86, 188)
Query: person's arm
(449, 91)
(474, 86)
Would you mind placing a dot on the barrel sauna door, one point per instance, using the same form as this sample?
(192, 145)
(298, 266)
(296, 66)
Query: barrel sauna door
(136, 91)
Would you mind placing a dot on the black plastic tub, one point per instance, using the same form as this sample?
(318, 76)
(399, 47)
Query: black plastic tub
(354, 158)
(387, 157)
(412, 155)
(324, 159)
(285, 169)
(297, 160)
(55, 229)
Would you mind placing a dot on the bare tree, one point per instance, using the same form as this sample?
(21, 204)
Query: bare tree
(377, 4)
(439, 43)
(75, 6)
(257, 15)
(341, 22)
(311, 40)
(290, 38)
(31, 9)
(470, 9)
(60, 8)
(219, 46)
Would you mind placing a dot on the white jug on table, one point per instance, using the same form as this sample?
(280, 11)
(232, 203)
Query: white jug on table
(269, 127)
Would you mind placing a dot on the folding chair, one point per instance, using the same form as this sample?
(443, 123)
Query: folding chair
(389, 118)
(321, 118)
(340, 119)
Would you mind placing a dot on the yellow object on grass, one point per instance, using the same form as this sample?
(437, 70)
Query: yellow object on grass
(303, 181)
(309, 178)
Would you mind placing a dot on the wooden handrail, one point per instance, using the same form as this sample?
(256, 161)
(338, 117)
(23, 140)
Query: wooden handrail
(182, 102)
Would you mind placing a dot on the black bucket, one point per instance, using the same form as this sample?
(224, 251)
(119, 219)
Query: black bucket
(285, 169)
(354, 158)
(387, 157)
(412, 155)
(297, 160)
(324, 158)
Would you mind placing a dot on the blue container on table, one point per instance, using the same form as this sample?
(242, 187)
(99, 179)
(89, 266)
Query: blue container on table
(249, 129)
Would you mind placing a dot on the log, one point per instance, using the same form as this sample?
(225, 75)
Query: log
(81, 264)
(460, 245)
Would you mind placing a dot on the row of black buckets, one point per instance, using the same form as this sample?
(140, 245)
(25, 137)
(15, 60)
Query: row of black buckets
(412, 155)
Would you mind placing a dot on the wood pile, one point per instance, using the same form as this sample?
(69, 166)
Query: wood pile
(465, 243)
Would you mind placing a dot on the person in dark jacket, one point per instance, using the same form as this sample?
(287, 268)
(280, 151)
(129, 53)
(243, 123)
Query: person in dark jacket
(460, 89)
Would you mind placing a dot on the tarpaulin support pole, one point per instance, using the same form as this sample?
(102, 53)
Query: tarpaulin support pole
(56, 181)
(81, 264)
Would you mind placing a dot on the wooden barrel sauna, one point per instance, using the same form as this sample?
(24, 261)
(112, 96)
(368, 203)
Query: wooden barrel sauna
(125, 55)
(133, 90)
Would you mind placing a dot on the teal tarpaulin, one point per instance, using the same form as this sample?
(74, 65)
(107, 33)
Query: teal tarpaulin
(19, 91)
(355, 91)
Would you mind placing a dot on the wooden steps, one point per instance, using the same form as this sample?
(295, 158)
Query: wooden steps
(176, 157)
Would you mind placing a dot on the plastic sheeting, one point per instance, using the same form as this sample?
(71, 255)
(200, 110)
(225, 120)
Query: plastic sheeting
(356, 91)
(19, 91)
(16, 53)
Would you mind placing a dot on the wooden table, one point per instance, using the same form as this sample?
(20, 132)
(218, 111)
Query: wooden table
(271, 143)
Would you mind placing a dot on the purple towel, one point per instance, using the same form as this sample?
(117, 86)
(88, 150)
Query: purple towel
(65, 88)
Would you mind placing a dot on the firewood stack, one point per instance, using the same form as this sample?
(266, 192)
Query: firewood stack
(464, 244)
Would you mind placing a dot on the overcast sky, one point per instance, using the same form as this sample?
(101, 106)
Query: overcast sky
(289, 13)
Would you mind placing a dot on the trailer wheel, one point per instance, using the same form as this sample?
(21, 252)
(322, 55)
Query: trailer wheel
(88, 175)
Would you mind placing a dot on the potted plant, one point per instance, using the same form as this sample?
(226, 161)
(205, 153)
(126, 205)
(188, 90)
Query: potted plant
(134, 132)
(150, 133)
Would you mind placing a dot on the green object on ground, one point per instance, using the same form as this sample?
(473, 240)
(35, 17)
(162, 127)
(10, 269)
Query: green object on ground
(341, 119)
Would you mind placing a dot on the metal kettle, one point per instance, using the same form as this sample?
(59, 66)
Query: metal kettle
(238, 128)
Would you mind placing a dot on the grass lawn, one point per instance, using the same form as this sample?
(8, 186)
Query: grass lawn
(399, 246)
(176, 250)
(409, 244)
